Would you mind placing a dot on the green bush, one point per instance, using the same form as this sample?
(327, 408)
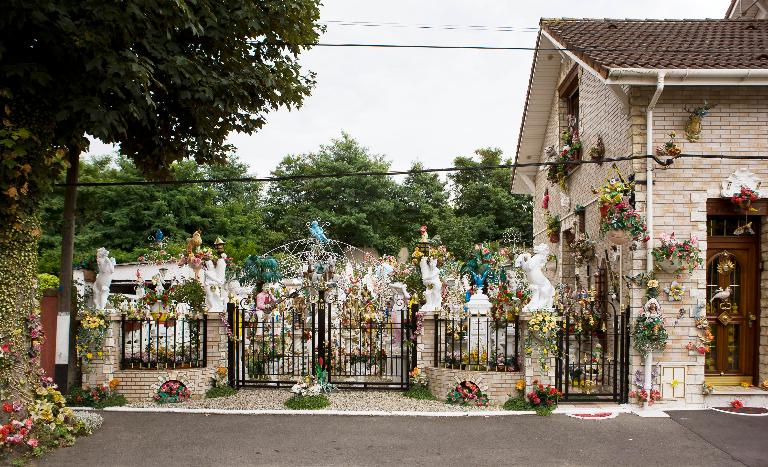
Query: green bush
(297, 402)
(97, 397)
(46, 281)
(517, 404)
(223, 391)
(420, 392)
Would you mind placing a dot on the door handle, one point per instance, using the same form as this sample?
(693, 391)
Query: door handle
(752, 318)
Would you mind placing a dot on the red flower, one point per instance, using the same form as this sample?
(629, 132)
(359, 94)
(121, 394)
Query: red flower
(737, 404)
(7, 407)
(552, 391)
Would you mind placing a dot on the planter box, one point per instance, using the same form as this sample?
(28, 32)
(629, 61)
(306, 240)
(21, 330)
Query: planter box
(618, 237)
(669, 265)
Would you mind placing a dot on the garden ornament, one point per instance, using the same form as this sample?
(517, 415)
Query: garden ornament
(430, 276)
(103, 278)
(722, 294)
(214, 281)
(542, 291)
(317, 232)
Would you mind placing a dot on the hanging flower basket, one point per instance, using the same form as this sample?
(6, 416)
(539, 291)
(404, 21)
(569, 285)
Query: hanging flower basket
(670, 265)
(618, 237)
(554, 237)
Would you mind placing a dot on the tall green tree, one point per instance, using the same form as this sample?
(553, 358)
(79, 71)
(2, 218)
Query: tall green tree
(484, 206)
(122, 218)
(165, 80)
(423, 200)
(360, 210)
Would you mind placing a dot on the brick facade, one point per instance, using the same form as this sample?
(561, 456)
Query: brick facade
(737, 126)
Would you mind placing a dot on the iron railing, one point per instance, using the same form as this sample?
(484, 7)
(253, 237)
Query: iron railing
(477, 343)
(158, 344)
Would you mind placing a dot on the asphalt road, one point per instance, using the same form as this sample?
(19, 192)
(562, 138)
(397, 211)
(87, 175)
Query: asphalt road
(166, 439)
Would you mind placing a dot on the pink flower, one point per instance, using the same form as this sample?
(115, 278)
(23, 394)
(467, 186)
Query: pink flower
(33, 442)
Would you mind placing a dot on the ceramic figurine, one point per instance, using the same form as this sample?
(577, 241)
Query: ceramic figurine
(103, 278)
(430, 276)
(542, 291)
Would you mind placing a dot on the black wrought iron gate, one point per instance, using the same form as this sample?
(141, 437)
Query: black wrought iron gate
(359, 348)
(593, 345)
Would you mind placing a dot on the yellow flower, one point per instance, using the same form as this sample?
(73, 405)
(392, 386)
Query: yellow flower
(653, 283)
(99, 353)
(520, 385)
(89, 355)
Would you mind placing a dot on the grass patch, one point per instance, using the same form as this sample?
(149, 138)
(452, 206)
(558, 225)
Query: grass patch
(517, 404)
(224, 391)
(420, 393)
(297, 402)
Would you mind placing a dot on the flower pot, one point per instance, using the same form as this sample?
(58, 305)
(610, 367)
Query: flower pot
(554, 238)
(89, 276)
(618, 237)
(670, 265)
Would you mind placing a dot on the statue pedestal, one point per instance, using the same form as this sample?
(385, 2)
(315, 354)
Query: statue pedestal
(478, 323)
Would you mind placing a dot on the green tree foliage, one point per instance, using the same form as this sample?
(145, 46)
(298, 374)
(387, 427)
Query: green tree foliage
(361, 210)
(165, 80)
(122, 218)
(484, 207)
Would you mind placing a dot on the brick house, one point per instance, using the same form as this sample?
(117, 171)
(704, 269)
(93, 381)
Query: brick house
(629, 83)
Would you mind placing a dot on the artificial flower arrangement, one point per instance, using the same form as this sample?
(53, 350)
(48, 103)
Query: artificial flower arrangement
(314, 385)
(676, 256)
(100, 396)
(619, 220)
(744, 199)
(544, 399)
(506, 303)
(542, 336)
(641, 395)
(675, 291)
(669, 148)
(468, 393)
(649, 333)
(418, 378)
(172, 391)
(707, 388)
(482, 266)
(553, 227)
(91, 334)
(571, 151)
(584, 249)
(737, 404)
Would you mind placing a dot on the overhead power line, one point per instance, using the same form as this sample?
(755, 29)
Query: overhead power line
(664, 162)
(464, 27)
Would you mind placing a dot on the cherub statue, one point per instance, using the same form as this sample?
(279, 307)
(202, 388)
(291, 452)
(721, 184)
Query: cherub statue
(103, 278)
(214, 281)
(424, 234)
(430, 276)
(542, 292)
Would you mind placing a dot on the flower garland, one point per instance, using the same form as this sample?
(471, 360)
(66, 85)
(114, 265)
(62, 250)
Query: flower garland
(685, 255)
(542, 336)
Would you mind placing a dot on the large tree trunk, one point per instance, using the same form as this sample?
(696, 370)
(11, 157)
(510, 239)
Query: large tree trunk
(67, 252)
(19, 367)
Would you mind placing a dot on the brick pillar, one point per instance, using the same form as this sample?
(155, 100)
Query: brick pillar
(101, 369)
(425, 347)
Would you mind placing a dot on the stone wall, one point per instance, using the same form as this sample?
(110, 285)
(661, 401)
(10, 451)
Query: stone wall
(501, 385)
(139, 385)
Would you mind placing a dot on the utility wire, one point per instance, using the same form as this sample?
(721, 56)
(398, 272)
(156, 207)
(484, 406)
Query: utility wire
(664, 162)
(541, 49)
(468, 27)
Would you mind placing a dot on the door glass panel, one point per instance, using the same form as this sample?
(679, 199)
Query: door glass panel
(732, 343)
(711, 358)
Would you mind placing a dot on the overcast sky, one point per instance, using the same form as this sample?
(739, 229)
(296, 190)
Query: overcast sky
(427, 105)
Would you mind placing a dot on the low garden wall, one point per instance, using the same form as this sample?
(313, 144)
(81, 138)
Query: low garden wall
(142, 384)
(500, 385)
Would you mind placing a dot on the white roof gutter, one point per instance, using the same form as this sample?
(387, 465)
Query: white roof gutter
(689, 76)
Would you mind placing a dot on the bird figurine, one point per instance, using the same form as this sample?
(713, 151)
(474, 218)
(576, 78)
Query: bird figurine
(317, 232)
(744, 229)
(479, 280)
(722, 294)
(159, 236)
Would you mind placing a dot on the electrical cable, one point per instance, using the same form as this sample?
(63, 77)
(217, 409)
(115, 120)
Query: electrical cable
(663, 162)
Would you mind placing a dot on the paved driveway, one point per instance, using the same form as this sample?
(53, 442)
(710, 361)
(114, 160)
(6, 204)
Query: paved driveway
(166, 439)
(744, 438)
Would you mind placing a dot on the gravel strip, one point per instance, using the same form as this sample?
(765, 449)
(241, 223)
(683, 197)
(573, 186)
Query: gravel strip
(264, 398)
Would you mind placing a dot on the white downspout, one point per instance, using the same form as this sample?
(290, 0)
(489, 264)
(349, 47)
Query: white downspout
(647, 382)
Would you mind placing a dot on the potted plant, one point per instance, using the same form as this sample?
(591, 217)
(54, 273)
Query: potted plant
(619, 220)
(88, 266)
(675, 256)
(583, 249)
(670, 148)
(571, 151)
(553, 227)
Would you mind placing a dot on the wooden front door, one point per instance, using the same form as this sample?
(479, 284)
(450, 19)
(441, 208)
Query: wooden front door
(732, 298)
